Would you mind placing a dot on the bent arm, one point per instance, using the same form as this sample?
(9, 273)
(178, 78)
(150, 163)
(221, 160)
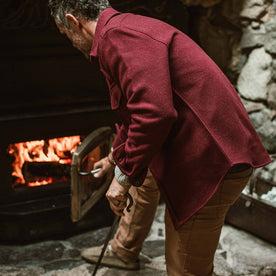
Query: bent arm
(139, 65)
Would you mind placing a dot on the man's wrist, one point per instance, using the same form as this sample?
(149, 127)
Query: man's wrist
(121, 177)
(111, 159)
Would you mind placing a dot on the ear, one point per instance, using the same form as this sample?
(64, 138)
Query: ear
(72, 21)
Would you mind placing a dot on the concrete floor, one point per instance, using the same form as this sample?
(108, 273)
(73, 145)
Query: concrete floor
(238, 253)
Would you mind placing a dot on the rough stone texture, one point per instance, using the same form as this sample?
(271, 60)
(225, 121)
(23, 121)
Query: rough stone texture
(154, 249)
(159, 264)
(255, 75)
(45, 251)
(222, 268)
(270, 26)
(238, 254)
(267, 134)
(270, 12)
(274, 70)
(157, 231)
(253, 12)
(252, 38)
(86, 240)
(270, 45)
(267, 271)
(271, 97)
(82, 270)
(260, 117)
(246, 254)
(269, 172)
(21, 271)
(252, 107)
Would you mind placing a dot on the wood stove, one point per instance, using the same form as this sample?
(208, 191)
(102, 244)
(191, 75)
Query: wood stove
(29, 209)
(49, 91)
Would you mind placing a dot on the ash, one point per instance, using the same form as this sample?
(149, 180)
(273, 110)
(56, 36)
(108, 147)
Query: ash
(270, 196)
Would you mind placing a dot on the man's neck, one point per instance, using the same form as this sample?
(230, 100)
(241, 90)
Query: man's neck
(90, 28)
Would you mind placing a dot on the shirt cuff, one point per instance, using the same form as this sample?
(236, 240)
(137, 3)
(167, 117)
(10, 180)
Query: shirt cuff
(121, 177)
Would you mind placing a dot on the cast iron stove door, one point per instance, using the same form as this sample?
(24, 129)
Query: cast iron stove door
(86, 190)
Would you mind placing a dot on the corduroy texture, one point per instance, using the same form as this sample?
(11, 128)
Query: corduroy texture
(135, 225)
(190, 250)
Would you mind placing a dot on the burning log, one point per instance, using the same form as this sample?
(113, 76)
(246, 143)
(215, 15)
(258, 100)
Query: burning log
(41, 170)
(42, 152)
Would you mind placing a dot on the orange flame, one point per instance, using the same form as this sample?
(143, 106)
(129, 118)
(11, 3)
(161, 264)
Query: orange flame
(40, 182)
(52, 150)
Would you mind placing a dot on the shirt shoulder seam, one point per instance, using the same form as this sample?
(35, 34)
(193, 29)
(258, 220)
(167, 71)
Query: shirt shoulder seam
(124, 27)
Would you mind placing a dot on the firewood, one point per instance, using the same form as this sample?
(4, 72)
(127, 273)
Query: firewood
(38, 170)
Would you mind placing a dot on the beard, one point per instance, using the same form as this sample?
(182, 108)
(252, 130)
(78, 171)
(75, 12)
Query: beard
(83, 45)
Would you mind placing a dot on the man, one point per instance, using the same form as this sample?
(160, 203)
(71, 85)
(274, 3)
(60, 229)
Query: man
(181, 118)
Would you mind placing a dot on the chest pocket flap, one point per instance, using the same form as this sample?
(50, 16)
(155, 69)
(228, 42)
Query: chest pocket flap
(114, 90)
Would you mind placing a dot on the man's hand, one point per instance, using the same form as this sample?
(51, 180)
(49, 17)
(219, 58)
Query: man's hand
(117, 198)
(105, 165)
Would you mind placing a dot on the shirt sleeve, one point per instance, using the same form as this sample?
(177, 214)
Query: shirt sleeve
(139, 65)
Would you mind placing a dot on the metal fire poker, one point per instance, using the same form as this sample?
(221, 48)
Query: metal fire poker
(109, 235)
(91, 172)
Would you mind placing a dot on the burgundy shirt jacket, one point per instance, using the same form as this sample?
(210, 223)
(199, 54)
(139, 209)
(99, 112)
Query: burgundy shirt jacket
(181, 117)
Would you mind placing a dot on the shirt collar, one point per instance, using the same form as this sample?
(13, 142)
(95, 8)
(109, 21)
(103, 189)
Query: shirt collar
(105, 16)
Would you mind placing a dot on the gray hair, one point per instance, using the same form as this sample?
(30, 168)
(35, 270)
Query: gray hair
(89, 10)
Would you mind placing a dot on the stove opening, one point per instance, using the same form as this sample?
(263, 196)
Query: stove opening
(42, 162)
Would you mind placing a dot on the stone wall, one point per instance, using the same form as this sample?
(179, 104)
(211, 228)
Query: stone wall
(256, 82)
(240, 36)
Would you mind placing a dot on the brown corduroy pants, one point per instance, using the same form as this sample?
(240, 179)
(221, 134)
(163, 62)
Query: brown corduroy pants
(189, 250)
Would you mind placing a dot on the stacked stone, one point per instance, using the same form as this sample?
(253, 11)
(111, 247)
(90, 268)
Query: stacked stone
(240, 36)
(256, 82)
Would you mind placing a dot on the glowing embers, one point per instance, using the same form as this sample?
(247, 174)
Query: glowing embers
(42, 162)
